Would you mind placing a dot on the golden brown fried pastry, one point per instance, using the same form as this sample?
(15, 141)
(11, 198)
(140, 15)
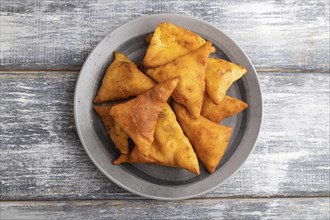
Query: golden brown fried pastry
(208, 138)
(191, 70)
(228, 107)
(170, 147)
(169, 42)
(219, 76)
(122, 80)
(117, 135)
(138, 117)
(134, 157)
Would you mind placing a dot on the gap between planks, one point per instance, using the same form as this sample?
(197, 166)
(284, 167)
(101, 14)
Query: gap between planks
(138, 198)
(264, 70)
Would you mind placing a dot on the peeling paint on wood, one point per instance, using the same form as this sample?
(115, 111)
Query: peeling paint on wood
(294, 208)
(43, 158)
(60, 34)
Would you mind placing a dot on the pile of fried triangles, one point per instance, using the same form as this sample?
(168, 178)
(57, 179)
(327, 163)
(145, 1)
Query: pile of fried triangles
(171, 111)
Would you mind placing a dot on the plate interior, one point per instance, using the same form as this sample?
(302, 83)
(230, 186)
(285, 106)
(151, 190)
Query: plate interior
(135, 49)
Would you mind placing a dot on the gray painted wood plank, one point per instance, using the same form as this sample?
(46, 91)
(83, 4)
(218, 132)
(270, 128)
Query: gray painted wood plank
(284, 208)
(39, 34)
(42, 158)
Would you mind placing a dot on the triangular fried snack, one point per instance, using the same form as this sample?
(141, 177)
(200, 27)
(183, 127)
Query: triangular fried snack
(228, 107)
(219, 76)
(122, 80)
(138, 117)
(170, 147)
(191, 70)
(168, 43)
(208, 138)
(117, 135)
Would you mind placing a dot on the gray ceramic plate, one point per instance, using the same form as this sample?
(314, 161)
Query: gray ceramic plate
(153, 181)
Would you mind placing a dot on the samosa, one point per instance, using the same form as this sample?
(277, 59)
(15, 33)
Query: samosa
(138, 117)
(219, 76)
(170, 147)
(122, 80)
(191, 70)
(228, 106)
(169, 42)
(117, 135)
(208, 138)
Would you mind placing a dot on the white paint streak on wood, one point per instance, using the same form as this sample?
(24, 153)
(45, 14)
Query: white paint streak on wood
(45, 160)
(290, 208)
(60, 34)
(294, 142)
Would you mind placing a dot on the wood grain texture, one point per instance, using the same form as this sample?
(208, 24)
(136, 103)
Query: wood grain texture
(42, 158)
(55, 34)
(292, 208)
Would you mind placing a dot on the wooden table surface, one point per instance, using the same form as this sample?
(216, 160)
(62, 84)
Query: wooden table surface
(46, 174)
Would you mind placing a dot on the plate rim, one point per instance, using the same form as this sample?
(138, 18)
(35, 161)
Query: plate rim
(244, 157)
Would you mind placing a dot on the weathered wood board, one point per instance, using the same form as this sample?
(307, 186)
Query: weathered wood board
(55, 34)
(42, 158)
(281, 208)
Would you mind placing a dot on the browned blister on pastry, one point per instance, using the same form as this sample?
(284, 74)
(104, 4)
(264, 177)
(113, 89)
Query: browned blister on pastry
(191, 70)
(170, 147)
(117, 135)
(148, 38)
(208, 138)
(169, 42)
(138, 117)
(227, 107)
(122, 80)
(219, 76)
